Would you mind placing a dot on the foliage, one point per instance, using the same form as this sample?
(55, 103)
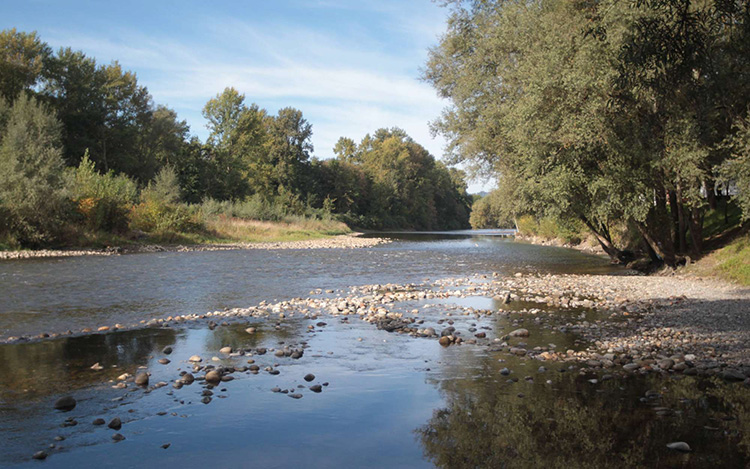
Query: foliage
(103, 200)
(735, 172)
(31, 168)
(599, 112)
(160, 210)
(490, 211)
(23, 58)
(390, 181)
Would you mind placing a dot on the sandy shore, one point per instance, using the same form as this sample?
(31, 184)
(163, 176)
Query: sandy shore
(348, 241)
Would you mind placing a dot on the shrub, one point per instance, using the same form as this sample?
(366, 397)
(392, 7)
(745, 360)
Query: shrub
(31, 168)
(102, 200)
(160, 211)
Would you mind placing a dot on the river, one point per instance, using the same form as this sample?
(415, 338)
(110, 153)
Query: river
(387, 400)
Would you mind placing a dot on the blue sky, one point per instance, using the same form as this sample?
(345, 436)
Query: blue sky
(351, 66)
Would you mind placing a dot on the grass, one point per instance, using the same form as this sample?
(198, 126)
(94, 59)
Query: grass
(223, 229)
(217, 229)
(731, 262)
(727, 215)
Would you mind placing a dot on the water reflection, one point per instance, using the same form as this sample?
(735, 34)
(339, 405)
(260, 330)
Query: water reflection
(574, 423)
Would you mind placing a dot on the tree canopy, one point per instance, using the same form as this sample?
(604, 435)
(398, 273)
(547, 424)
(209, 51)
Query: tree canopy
(605, 112)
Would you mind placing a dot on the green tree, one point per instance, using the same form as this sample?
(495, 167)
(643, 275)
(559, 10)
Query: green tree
(23, 59)
(31, 167)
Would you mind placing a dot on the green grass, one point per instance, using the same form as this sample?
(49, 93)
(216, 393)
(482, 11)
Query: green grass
(727, 215)
(215, 230)
(732, 262)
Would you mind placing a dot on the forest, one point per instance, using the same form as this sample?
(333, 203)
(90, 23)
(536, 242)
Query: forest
(626, 118)
(86, 153)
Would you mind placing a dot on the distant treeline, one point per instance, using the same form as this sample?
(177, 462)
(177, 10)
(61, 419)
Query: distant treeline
(62, 110)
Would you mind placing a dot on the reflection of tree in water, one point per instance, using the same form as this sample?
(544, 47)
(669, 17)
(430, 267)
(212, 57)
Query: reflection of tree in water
(60, 365)
(570, 424)
(235, 336)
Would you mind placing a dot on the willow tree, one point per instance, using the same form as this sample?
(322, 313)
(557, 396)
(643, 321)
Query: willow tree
(598, 111)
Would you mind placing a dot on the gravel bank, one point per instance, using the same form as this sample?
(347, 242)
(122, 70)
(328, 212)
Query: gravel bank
(349, 241)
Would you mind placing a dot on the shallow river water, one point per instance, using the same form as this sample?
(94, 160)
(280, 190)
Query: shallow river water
(387, 400)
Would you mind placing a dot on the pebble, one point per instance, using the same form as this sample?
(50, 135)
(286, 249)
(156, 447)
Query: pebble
(99, 421)
(115, 423)
(141, 379)
(166, 350)
(41, 455)
(309, 377)
(195, 359)
(519, 333)
(164, 361)
(118, 437)
(225, 350)
(316, 388)
(680, 446)
(65, 403)
(213, 376)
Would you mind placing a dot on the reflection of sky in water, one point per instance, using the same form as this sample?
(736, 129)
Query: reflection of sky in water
(59, 294)
(382, 390)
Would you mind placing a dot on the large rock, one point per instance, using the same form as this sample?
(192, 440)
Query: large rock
(213, 377)
(115, 423)
(141, 379)
(65, 403)
(733, 375)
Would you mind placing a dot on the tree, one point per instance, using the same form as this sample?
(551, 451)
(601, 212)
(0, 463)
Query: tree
(223, 114)
(31, 167)
(23, 59)
(603, 112)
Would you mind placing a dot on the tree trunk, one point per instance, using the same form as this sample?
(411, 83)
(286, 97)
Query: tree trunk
(673, 211)
(709, 186)
(604, 241)
(696, 230)
(661, 254)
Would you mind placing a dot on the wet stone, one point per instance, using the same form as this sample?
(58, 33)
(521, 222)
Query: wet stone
(115, 423)
(65, 403)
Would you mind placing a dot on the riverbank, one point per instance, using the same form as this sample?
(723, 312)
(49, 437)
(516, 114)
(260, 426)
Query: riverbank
(588, 246)
(346, 241)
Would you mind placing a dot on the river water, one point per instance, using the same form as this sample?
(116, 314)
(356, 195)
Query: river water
(390, 400)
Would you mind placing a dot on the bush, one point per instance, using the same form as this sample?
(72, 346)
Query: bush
(156, 217)
(31, 168)
(160, 211)
(102, 200)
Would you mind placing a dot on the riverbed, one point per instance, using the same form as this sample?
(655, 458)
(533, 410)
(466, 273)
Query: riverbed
(376, 399)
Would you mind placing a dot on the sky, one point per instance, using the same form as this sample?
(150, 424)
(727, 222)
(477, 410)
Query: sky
(350, 66)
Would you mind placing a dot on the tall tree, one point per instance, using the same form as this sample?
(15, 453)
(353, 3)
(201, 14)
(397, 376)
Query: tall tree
(23, 59)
